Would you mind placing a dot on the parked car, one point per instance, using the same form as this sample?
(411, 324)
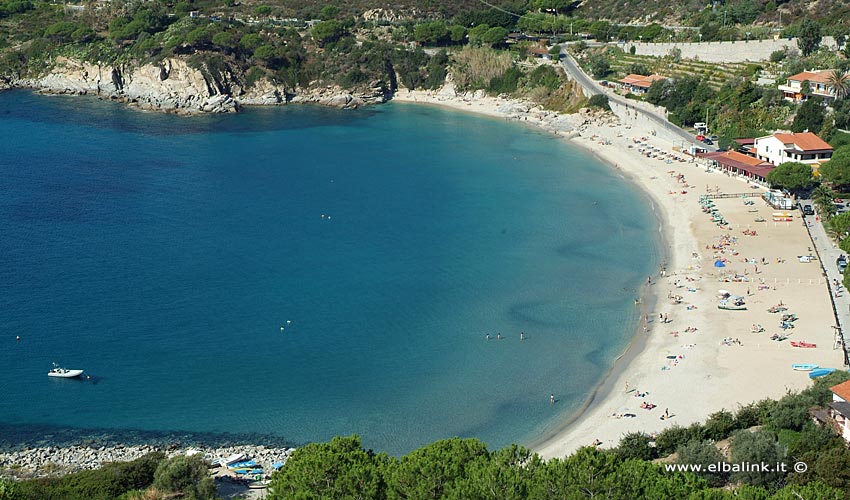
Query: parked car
(713, 137)
(700, 137)
(841, 262)
(808, 210)
(708, 141)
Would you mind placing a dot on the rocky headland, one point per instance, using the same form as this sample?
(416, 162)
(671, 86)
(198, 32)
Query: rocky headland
(174, 86)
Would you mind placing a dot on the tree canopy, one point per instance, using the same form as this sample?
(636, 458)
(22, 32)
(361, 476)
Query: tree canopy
(810, 116)
(792, 176)
(808, 36)
(837, 170)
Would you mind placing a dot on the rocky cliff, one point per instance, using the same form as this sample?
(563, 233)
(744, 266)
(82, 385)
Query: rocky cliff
(172, 85)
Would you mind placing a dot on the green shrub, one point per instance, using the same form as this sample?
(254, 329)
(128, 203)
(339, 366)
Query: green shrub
(636, 445)
(107, 483)
(544, 76)
(747, 416)
(670, 439)
(791, 412)
(719, 425)
(186, 475)
(753, 447)
(702, 453)
(507, 82)
(777, 56)
(599, 101)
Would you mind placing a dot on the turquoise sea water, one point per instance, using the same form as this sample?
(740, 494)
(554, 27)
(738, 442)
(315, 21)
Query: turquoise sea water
(163, 255)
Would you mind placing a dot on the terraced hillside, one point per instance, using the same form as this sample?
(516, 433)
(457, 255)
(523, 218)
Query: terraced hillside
(715, 74)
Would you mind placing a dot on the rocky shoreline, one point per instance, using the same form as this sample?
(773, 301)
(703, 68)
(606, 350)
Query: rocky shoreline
(173, 86)
(51, 461)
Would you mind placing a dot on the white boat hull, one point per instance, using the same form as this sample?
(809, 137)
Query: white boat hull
(62, 373)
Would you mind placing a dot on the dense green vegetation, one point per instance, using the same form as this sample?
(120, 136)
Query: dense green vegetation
(154, 474)
(641, 467)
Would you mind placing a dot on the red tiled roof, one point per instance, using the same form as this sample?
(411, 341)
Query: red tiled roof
(741, 162)
(805, 141)
(746, 142)
(842, 390)
(641, 80)
(820, 76)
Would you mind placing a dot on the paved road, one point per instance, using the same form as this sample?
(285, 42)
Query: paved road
(623, 105)
(828, 253)
(826, 250)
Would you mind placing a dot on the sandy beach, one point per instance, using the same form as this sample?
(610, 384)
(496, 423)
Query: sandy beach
(693, 358)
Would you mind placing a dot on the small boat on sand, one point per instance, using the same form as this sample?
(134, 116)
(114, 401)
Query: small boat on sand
(58, 371)
(820, 372)
(248, 464)
(232, 459)
(804, 367)
(799, 343)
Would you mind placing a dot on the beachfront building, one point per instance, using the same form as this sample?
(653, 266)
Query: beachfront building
(801, 147)
(739, 164)
(817, 85)
(839, 408)
(746, 145)
(639, 84)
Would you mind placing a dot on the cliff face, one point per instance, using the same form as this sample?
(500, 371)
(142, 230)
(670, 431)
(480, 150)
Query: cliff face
(174, 86)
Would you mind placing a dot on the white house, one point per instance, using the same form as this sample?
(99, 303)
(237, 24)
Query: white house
(639, 84)
(802, 147)
(818, 85)
(839, 408)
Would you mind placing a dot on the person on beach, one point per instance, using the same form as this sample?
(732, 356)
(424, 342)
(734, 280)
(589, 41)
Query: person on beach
(649, 280)
(522, 335)
(499, 336)
(487, 336)
(551, 399)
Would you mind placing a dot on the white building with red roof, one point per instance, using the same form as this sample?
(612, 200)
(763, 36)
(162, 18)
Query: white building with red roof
(800, 147)
(639, 84)
(818, 85)
(839, 408)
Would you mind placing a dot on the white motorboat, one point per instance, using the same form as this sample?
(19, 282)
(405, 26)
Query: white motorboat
(60, 372)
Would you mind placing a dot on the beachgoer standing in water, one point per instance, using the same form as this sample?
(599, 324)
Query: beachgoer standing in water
(551, 399)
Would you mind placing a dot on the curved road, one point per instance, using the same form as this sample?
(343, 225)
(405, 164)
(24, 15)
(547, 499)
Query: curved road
(827, 252)
(591, 87)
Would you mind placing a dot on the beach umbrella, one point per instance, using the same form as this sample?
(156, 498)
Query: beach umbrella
(719, 263)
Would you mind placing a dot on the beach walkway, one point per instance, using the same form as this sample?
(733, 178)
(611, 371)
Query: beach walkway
(828, 252)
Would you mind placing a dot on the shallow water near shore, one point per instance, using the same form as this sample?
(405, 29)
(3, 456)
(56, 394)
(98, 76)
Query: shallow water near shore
(164, 254)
